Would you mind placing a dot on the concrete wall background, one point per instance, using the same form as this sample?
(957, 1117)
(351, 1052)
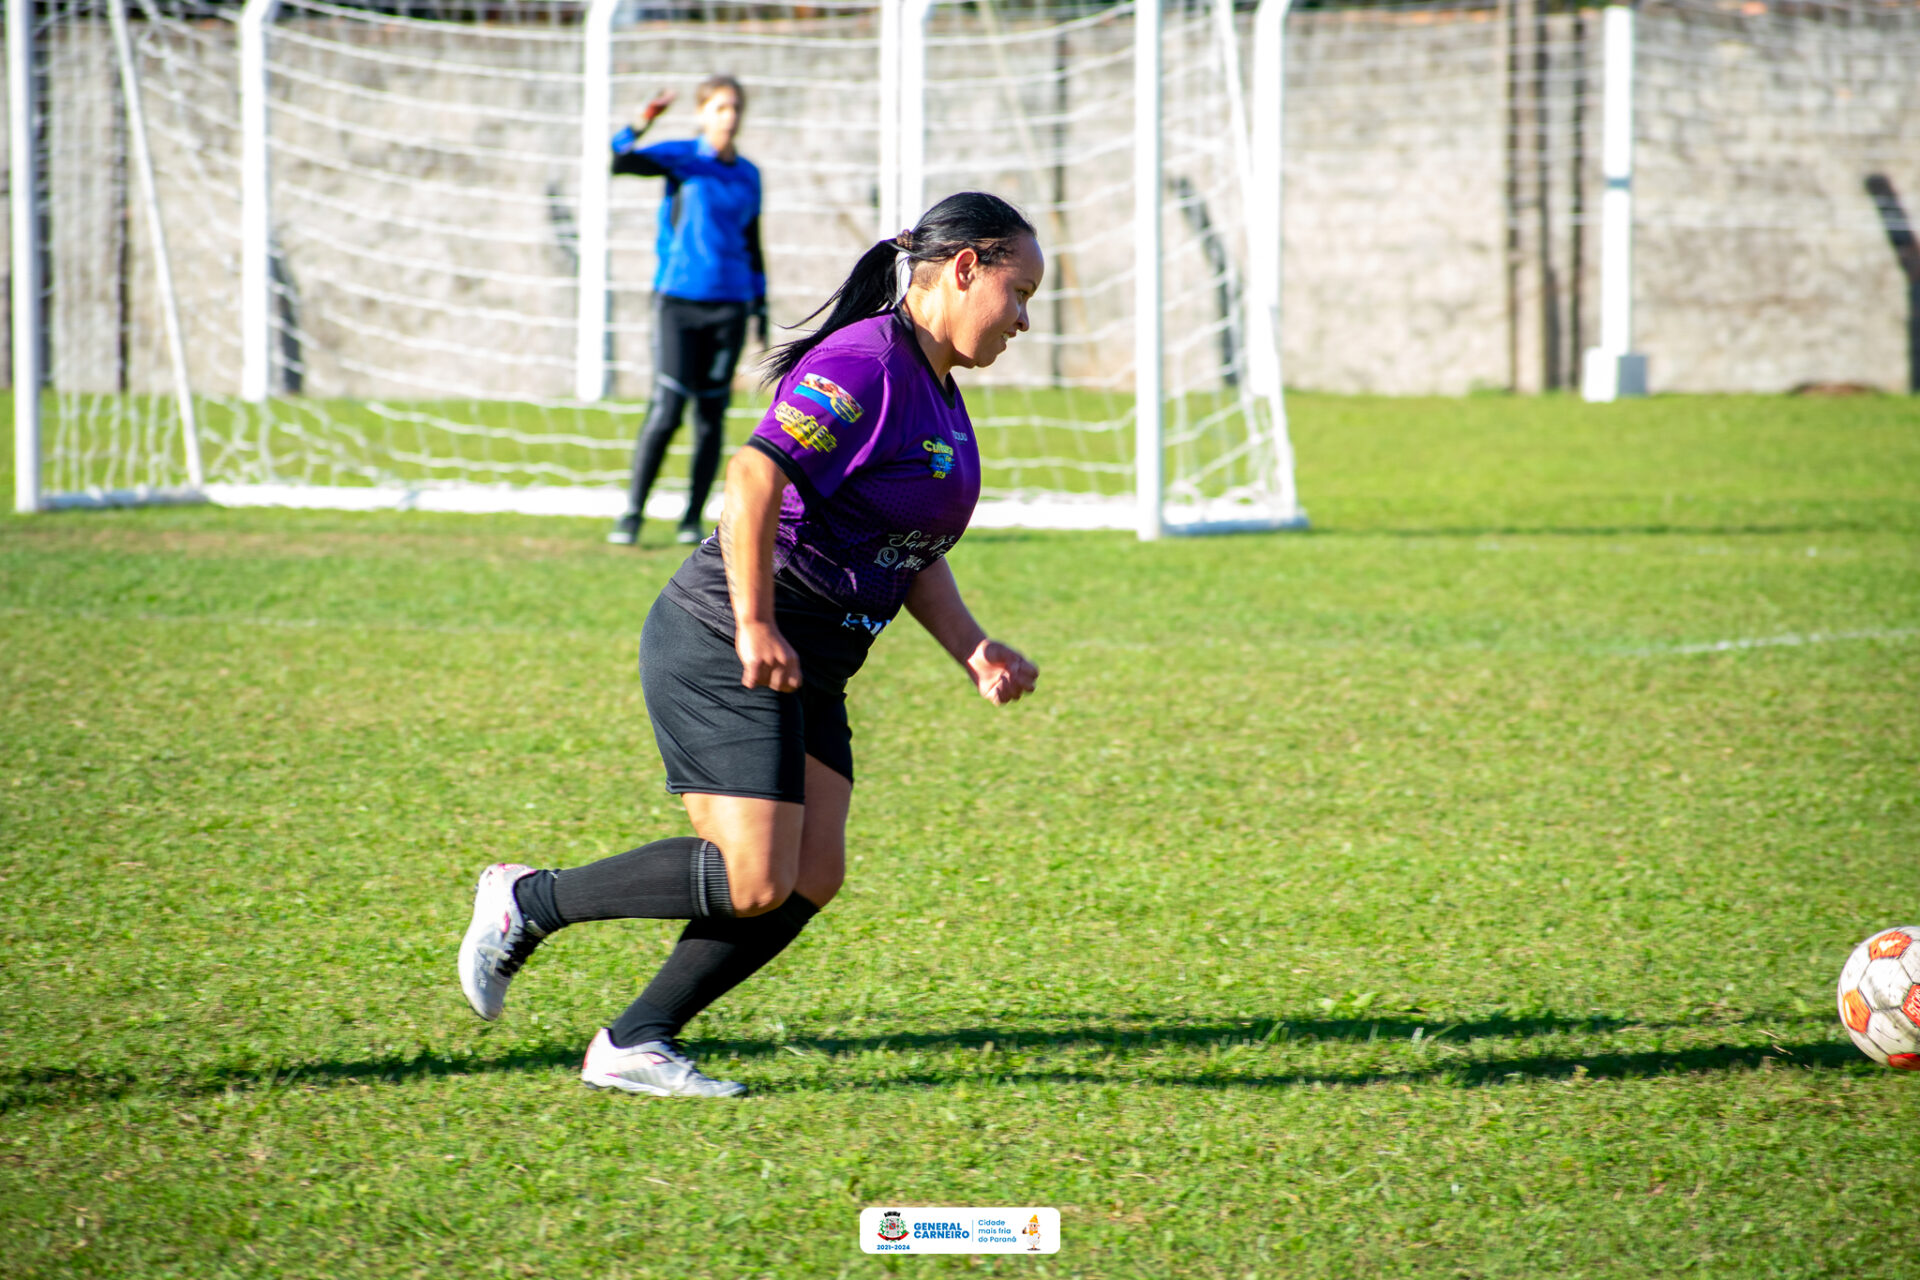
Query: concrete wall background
(1762, 263)
(424, 215)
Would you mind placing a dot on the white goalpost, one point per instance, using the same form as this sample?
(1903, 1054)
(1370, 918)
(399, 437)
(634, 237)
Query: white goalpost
(302, 253)
(400, 274)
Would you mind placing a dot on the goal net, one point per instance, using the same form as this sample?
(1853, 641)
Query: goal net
(369, 256)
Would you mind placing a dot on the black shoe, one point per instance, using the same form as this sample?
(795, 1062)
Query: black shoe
(625, 531)
(689, 534)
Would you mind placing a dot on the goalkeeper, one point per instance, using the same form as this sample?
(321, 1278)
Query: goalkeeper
(840, 512)
(711, 278)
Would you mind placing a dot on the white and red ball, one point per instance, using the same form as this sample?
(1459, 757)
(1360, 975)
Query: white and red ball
(1880, 997)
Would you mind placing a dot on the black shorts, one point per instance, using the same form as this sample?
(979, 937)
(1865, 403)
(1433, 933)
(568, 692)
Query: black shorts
(718, 737)
(696, 345)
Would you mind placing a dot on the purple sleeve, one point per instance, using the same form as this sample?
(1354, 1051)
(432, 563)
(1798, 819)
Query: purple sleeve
(828, 417)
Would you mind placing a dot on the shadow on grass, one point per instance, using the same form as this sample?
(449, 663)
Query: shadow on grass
(1459, 1073)
(1224, 1042)
(43, 1086)
(1143, 1031)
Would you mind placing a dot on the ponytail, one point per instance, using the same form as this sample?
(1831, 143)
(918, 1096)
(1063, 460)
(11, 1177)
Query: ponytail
(867, 292)
(972, 220)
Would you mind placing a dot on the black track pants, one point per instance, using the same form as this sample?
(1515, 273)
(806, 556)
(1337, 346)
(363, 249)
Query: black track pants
(696, 347)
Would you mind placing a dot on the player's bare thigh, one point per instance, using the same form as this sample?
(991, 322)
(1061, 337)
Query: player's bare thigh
(775, 847)
(823, 836)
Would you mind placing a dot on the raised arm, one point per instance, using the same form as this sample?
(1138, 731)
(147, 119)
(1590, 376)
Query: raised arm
(627, 157)
(755, 486)
(1001, 673)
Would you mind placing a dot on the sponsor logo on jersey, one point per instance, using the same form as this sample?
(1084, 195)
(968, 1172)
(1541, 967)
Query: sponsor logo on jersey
(888, 557)
(918, 541)
(861, 622)
(804, 428)
(832, 395)
(940, 457)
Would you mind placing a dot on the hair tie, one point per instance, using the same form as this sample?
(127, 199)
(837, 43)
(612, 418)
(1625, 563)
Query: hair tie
(904, 240)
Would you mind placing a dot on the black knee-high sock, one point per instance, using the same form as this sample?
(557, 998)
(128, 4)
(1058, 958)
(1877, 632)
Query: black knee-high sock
(709, 424)
(712, 958)
(680, 879)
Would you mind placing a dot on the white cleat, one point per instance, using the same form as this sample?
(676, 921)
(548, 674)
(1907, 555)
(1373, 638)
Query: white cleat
(657, 1067)
(498, 941)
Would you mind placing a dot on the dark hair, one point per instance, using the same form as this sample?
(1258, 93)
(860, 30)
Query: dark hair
(974, 220)
(714, 84)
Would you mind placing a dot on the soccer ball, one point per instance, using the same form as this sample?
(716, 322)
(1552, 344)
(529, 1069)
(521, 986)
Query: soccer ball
(1880, 997)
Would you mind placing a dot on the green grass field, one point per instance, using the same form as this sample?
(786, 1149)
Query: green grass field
(1421, 896)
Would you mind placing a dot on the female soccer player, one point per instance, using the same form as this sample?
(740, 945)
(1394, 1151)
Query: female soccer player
(859, 479)
(710, 278)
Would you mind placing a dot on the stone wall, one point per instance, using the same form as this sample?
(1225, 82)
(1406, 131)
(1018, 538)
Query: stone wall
(1760, 262)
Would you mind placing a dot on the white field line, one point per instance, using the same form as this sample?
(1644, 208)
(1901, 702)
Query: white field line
(549, 633)
(1773, 642)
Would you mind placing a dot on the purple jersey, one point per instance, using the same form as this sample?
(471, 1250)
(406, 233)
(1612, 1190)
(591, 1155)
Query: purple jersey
(884, 467)
(884, 476)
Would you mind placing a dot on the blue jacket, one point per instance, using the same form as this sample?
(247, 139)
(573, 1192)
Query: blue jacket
(709, 242)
